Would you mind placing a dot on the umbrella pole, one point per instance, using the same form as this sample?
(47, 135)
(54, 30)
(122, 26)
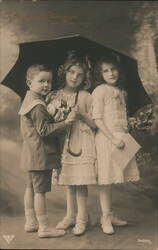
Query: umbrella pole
(68, 145)
(69, 136)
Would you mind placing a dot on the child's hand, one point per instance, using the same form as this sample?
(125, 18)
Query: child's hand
(70, 118)
(120, 144)
(75, 109)
(126, 130)
(51, 109)
(80, 115)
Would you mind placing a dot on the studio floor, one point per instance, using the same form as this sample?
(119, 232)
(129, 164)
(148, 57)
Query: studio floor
(136, 203)
(141, 233)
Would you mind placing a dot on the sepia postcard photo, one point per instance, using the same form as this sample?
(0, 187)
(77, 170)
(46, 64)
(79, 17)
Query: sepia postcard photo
(78, 124)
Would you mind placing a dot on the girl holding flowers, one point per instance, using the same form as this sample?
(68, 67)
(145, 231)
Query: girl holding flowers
(78, 167)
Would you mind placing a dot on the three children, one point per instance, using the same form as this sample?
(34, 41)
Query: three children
(72, 125)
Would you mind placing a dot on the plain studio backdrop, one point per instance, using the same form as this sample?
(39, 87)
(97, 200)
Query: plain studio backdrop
(130, 27)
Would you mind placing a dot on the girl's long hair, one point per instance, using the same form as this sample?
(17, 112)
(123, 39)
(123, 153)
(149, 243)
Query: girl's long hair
(97, 72)
(73, 58)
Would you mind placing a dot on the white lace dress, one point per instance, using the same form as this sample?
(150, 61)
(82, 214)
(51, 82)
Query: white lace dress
(79, 170)
(109, 104)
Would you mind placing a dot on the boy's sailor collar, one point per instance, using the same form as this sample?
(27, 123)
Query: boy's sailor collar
(30, 101)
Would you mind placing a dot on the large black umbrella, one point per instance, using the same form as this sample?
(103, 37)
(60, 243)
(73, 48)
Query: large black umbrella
(54, 51)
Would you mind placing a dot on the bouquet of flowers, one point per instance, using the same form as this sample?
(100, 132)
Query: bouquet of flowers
(57, 107)
(142, 120)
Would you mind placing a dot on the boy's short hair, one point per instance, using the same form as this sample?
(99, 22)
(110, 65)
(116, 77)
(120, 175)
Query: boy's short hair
(37, 68)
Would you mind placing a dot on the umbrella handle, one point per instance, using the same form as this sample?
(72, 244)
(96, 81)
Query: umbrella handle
(69, 135)
(68, 145)
(73, 153)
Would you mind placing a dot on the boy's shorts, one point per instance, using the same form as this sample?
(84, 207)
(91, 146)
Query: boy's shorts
(41, 181)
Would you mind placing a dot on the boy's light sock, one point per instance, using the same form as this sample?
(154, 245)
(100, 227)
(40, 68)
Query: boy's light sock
(43, 222)
(30, 215)
(30, 212)
(31, 224)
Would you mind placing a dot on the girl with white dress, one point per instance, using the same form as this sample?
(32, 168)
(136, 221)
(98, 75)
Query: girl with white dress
(79, 155)
(110, 116)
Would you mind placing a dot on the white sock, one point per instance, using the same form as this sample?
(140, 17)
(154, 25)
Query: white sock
(30, 214)
(82, 195)
(43, 222)
(71, 199)
(105, 200)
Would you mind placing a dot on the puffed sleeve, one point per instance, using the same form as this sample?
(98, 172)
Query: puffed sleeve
(99, 97)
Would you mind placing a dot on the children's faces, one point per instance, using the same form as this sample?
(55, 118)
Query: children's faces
(109, 73)
(41, 83)
(74, 76)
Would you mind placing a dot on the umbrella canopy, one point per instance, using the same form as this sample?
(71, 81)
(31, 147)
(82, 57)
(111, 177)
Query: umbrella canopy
(53, 52)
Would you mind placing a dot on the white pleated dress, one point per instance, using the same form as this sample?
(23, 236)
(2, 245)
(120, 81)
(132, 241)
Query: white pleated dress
(109, 104)
(79, 170)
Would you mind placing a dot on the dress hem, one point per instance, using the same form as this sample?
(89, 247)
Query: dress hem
(76, 184)
(131, 180)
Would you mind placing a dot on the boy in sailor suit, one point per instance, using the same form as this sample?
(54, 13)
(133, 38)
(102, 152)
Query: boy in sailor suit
(40, 149)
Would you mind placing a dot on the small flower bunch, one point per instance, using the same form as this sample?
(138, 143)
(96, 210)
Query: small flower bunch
(142, 120)
(57, 107)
